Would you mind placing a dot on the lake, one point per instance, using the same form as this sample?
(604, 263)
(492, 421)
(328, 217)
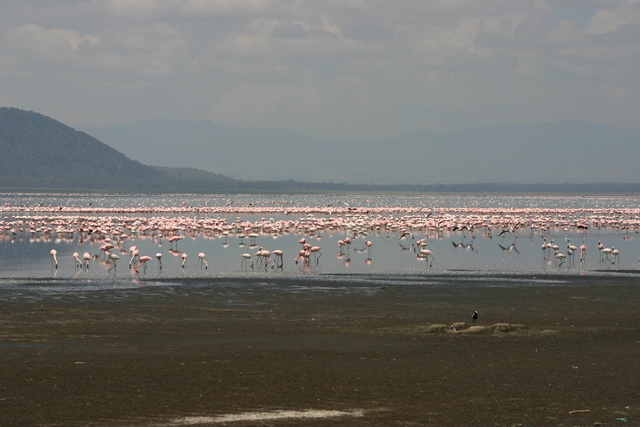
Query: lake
(389, 235)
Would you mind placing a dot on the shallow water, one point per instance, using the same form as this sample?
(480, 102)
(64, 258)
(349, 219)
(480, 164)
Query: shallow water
(26, 263)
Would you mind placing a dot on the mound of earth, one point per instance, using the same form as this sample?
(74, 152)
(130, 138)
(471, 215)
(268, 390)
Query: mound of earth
(465, 328)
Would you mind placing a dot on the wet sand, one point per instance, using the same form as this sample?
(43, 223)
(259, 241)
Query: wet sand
(539, 355)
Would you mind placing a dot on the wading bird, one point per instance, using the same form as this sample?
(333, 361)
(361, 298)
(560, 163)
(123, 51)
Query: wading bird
(143, 261)
(202, 261)
(54, 258)
(114, 260)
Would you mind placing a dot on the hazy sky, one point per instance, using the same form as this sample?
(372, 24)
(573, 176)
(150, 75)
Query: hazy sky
(338, 69)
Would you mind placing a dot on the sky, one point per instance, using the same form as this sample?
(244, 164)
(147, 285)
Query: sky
(337, 69)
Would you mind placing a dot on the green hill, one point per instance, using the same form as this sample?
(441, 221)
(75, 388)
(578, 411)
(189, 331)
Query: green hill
(39, 152)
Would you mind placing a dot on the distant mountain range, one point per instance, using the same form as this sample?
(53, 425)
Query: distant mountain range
(40, 153)
(545, 153)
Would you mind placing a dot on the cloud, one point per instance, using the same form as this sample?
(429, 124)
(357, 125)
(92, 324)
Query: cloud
(47, 46)
(347, 68)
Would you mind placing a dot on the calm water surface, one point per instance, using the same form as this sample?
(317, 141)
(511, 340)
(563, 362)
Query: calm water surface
(25, 258)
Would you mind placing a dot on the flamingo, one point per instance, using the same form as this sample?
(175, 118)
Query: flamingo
(616, 253)
(316, 250)
(425, 254)
(202, 261)
(184, 259)
(113, 258)
(54, 258)
(304, 255)
(511, 229)
(279, 255)
(76, 257)
(583, 253)
(600, 248)
(245, 260)
(159, 258)
(143, 260)
(106, 249)
(88, 257)
(405, 234)
(174, 239)
(560, 256)
(368, 244)
(264, 255)
(134, 254)
(571, 249)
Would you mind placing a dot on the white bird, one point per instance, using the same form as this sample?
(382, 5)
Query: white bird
(202, 261)
(76, 257)
(54, 258)
(245, 260)
(114, 259)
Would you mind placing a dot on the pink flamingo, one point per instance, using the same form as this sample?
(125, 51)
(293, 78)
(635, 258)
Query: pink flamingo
(544, 249)
(583, 253)
(615, 253)
(279, 255)
(106, 249)
(252, 237)
(134, 254)
(264, 255)
(202, 261)
(304, 255)
(174, 239)
(571, 249)
(76, 257)
(245, 260)
(184, 260)
(600, 248)
(54, 258)
(143, 261)
(88, 257)
(425, 254)
(316, 250)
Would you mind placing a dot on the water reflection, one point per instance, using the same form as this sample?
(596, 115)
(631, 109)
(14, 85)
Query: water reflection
(293, 235)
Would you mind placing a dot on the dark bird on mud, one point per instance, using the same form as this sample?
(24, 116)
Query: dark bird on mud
(474, 317)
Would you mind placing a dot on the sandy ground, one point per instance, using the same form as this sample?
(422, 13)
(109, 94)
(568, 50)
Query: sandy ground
(561, 355)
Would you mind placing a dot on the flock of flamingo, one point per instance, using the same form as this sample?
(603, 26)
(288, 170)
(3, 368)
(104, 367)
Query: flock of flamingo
(111, 227)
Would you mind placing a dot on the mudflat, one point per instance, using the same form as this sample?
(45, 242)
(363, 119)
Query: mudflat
(560, 353)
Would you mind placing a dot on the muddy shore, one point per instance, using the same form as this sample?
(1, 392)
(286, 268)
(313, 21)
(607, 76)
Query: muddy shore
(561, 354)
